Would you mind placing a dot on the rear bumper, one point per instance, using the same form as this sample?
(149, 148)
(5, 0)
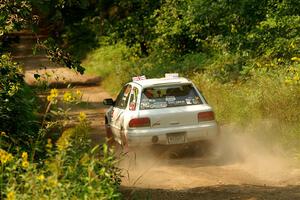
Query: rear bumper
(201, 131)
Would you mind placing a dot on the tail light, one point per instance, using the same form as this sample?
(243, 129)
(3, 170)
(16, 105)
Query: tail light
(206, 116)
(139, 122)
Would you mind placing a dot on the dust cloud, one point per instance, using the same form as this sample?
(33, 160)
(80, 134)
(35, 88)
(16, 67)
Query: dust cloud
(256, 154)
(242, 155)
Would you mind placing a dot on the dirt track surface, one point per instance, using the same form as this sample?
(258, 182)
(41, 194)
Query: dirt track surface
(61, 77)
(244, 169)
(239, 168)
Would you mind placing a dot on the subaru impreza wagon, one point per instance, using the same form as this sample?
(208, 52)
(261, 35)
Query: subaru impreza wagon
(166, 111)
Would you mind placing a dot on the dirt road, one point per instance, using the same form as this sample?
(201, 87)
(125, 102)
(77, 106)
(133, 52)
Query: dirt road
(244, 169)
(240, 168)
(61, 77)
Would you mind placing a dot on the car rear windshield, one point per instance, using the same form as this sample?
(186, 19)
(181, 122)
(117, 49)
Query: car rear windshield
(169, 96)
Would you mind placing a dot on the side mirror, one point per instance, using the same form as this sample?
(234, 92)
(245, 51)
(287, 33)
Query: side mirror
(108, 102)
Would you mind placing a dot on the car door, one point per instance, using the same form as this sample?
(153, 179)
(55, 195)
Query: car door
(118, 112)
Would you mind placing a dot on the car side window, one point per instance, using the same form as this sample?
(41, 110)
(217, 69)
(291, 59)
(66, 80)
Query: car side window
(123, 97)
(133, 99)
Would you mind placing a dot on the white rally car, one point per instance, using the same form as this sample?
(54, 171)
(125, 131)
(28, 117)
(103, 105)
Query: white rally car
(165, 111)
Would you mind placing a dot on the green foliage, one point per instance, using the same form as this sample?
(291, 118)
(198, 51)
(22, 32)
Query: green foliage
(111, 63)
(70, 24)
(132, 23)
(169, 31)
(79, 39)
(174, 25)
(14, 14)
(70, 167)
(18, 15)
(72, 170)
(277, 37)
(60, 56)
(17, 107)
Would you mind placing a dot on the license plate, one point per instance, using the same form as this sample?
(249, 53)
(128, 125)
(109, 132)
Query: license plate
(176, 138)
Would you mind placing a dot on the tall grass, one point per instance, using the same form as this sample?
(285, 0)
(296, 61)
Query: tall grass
(260, 97)
(269, 106)
(109, 62)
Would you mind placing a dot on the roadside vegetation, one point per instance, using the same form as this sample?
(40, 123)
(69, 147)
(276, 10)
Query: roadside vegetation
(49, 155)
(44, 153)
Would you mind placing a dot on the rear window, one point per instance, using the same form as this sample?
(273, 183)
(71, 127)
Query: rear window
(169, 96)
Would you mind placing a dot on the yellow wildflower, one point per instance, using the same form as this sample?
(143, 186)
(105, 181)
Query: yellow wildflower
(5, 157)
(295, 59)
(49, 143)
(78, 92)
(41, 177)
(63, 145)
(11, 195)
(25, 156)
(49, 98)
(53, 95)
(3, 133)
(54, 92)
(296, 77)
(68, 97)
(82, 116)
(25, 164)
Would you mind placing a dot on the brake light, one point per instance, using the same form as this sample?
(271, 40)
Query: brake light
(206, 116)
(139, 122)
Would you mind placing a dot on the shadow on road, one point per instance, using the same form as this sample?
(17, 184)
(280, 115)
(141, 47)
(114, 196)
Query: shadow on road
(222, 192)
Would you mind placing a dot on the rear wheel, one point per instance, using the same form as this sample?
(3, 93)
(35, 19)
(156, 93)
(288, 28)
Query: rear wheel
(109, 134)
(118, 145)
(124, 142)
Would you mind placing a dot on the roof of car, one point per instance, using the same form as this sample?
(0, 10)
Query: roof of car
(161, 81)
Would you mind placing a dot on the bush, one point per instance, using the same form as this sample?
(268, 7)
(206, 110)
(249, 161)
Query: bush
(17, 107)
(70, 169)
